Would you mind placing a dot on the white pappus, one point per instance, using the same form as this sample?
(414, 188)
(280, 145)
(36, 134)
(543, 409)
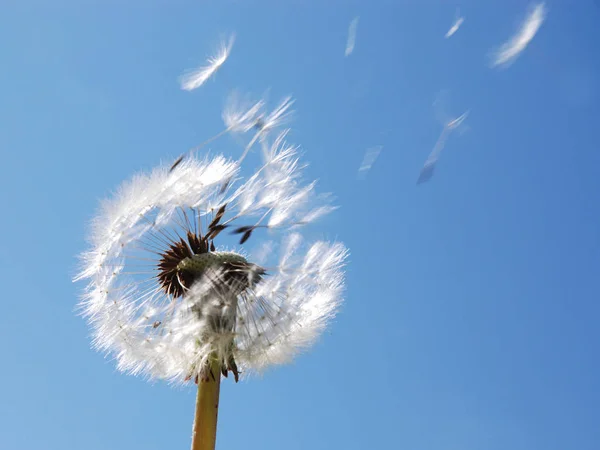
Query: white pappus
(193, 79)
(167, 303)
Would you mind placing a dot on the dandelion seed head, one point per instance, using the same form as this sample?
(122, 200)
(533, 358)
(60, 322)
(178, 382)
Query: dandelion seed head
(164, 301)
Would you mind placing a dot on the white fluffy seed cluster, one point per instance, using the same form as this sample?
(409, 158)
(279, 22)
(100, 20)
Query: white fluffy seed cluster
(152, 334)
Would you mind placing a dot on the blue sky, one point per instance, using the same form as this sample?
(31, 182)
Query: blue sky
(471, 312)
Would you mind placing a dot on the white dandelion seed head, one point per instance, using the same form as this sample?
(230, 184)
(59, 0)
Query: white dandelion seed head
(165, 303)
(197, 77)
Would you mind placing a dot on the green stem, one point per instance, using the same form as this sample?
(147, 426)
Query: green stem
(204, 435)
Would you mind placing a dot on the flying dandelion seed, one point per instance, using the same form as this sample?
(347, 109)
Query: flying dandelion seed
(168, 302)
(241, 115)
(458, 21)
(455, 123)
(369, 159)
(426, 172)
(445, 112)
(351, 36)
(510, 50)
(196, 78)
(428, 168)
(245, 117)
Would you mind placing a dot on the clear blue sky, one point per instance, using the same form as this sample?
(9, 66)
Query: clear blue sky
(471, 315)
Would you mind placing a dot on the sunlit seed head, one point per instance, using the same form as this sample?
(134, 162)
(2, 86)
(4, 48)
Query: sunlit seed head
(165, 301)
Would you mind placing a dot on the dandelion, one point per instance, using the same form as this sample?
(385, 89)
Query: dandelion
(196, 78)
(510, 50)
(168, 297)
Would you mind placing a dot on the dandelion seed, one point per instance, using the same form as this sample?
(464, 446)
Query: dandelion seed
(265, 124)
(369, 159)
(510, 51)
(167, 303)
(240, 116)
(351, 37)
(455, 123)
(196, 78)
(279, 116)
(428, 168)
(426, 172)
(458, 21)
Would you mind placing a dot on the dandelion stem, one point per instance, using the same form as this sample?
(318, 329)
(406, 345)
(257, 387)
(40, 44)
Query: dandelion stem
(204, 435)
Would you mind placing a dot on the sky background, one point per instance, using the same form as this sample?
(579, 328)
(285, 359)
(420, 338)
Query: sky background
(471, 312)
